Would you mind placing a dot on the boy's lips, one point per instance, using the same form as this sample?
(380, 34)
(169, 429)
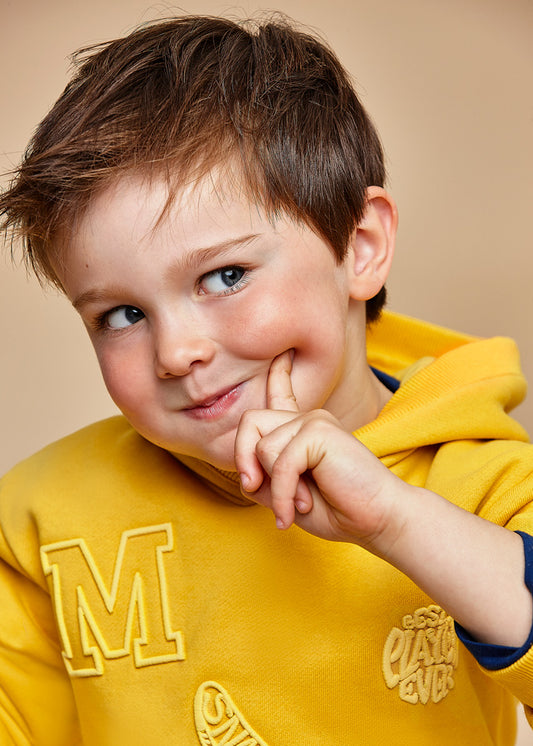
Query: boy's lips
(216, 405)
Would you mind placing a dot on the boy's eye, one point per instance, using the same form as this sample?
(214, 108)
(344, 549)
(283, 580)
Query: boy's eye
(123, 316)
(222, 281)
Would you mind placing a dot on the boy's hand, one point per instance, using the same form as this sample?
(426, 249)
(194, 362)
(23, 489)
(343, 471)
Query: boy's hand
(310, 471)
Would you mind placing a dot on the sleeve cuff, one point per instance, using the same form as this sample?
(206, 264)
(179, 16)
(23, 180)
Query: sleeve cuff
(495, 657)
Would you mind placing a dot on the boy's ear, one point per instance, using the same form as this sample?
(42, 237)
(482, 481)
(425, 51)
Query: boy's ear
(372, 245)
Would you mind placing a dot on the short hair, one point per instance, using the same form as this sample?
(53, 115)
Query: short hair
(183, 96)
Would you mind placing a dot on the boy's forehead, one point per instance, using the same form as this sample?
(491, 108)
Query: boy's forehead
(138, 213)
(155, 202)
(198, 212)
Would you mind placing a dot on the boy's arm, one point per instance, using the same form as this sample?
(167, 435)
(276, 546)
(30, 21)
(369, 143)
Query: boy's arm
(307, 469)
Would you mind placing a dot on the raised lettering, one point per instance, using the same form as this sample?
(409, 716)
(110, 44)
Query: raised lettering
(128, 616)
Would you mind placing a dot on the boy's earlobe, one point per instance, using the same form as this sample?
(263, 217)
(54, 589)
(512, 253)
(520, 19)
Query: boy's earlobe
(372, 245)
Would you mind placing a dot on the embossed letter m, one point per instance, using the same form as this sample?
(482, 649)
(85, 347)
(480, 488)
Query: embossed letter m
(129, 616)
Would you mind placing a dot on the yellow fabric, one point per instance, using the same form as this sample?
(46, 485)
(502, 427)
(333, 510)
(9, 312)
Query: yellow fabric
(139, 606)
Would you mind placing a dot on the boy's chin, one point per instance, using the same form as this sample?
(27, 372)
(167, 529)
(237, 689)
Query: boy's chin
(219, 454)
(223, 462)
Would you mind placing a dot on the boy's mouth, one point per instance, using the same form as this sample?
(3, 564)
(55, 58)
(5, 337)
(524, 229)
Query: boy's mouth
(214, 406)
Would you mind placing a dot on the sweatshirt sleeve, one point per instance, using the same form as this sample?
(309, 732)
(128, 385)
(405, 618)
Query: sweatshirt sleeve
(36, 698)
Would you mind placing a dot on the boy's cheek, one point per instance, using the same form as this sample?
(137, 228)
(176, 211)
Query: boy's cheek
(269, 328)
(122, 377)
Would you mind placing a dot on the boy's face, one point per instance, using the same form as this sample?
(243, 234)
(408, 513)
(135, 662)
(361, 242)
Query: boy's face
(186, 315)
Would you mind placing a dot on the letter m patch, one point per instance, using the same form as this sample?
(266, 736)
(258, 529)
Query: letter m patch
(110, 612)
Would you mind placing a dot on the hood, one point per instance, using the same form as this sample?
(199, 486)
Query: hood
(453, 386)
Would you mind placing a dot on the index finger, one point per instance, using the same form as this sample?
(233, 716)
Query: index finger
(279, 384)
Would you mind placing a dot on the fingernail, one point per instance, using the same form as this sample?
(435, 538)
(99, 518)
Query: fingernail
(245, 481)
(279, 523)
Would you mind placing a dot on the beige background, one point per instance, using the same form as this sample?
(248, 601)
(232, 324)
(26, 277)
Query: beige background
(449, 85)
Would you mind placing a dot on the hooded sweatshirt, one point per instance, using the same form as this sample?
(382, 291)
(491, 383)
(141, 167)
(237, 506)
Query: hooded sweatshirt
(143, 602)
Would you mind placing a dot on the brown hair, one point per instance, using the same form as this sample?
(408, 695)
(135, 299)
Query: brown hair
(180, 97)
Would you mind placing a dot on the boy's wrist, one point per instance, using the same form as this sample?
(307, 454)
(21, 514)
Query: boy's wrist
(392, 542)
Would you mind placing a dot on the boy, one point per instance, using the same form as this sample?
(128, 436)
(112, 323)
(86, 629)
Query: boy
(210, 196)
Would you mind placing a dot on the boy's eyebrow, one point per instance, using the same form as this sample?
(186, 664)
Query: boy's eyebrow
(196, 257)
(190, 261)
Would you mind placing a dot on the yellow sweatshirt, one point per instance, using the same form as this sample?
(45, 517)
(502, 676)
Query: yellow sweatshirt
(139, 605)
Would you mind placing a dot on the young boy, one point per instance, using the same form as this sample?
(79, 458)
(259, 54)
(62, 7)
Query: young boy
(210, 196)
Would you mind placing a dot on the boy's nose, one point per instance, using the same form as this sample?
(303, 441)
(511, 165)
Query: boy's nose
(175, 356)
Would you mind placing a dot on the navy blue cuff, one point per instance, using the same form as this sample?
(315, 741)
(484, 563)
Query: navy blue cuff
(495, 657)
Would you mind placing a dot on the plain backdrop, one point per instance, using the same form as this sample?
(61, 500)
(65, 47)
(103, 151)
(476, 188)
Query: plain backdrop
(449, 86)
